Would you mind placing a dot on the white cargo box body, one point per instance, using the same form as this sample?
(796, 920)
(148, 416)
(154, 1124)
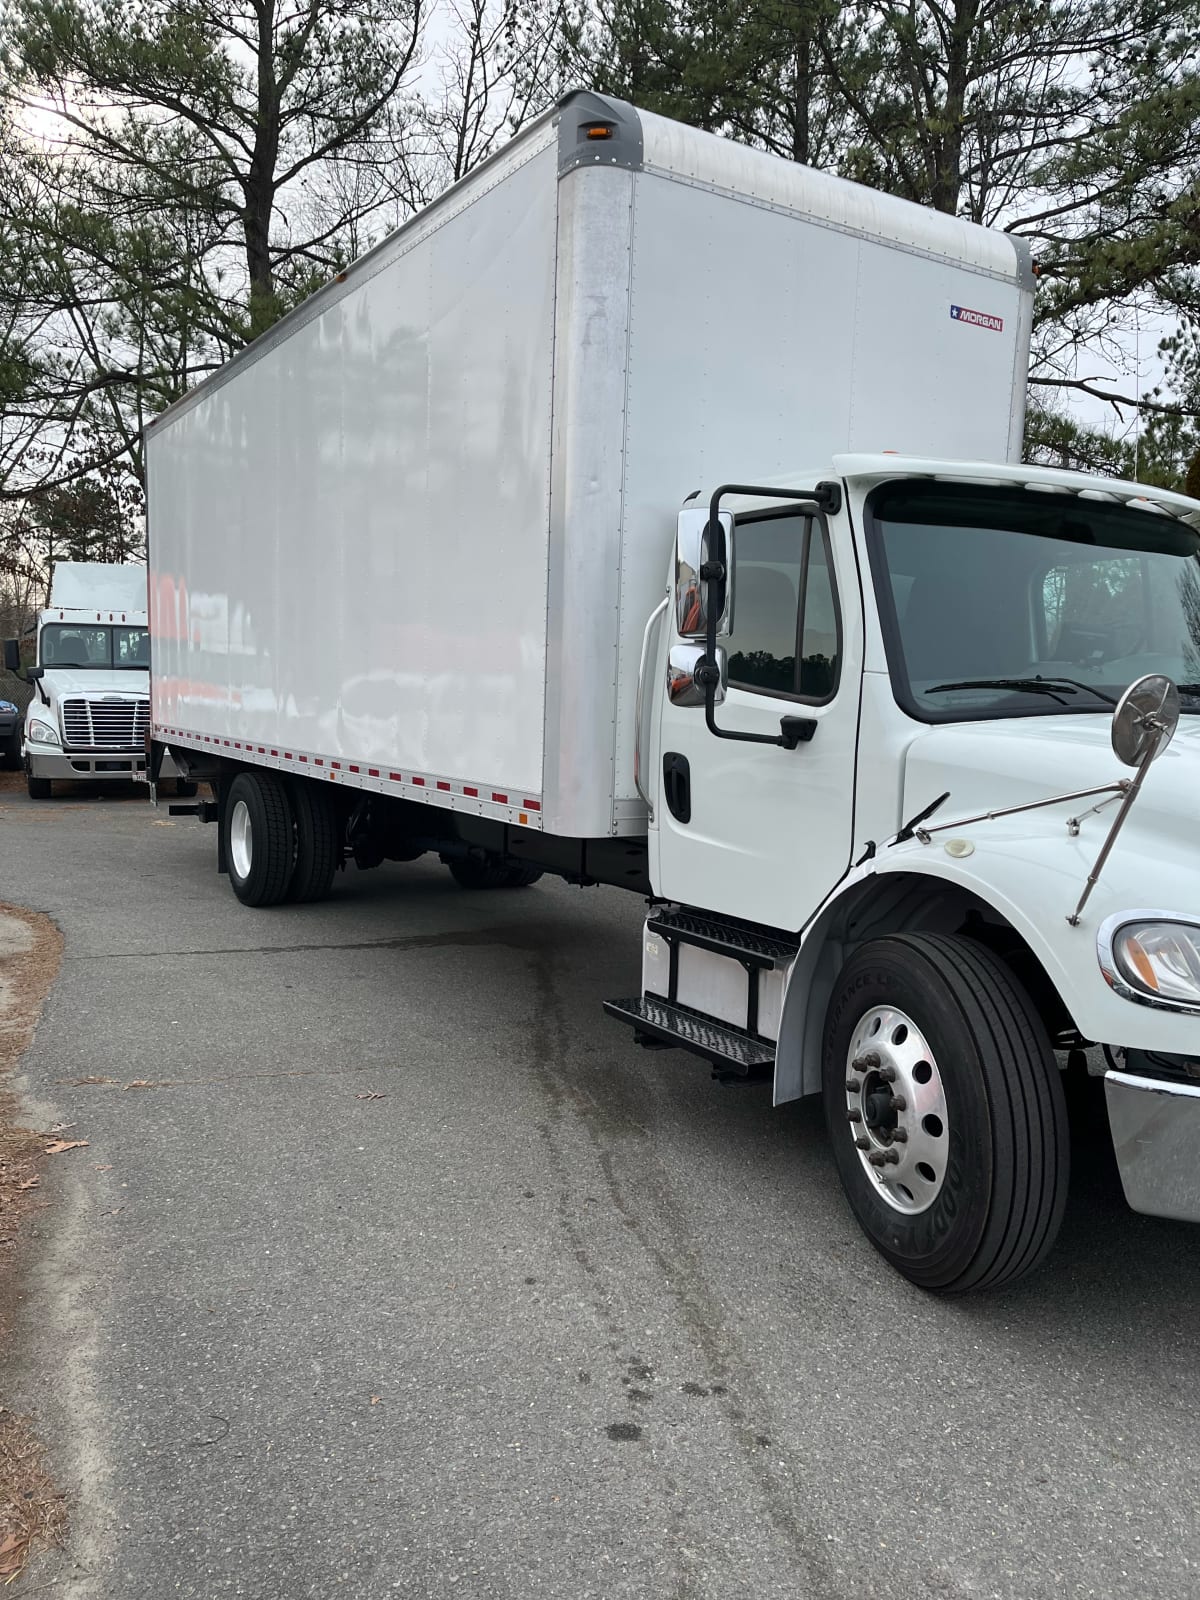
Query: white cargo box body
(409, 540)
(110, 592)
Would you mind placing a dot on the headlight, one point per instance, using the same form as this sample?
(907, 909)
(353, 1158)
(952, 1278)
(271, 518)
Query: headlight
(41, 733)
(1160, 959)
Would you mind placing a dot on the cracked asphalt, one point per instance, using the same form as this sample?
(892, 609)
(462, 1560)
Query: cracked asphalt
(410, 1275)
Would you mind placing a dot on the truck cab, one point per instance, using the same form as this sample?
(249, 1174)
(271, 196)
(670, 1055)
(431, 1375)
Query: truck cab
(90, 710)
(900, 856)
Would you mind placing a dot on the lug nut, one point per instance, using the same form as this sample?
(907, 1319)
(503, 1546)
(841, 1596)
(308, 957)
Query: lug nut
(899, 1103)
(884, 1158)
(853, 1085)
(867, 1062)
(899, 1136)
(854, 1116)
(862, 1143)
(888, 1074)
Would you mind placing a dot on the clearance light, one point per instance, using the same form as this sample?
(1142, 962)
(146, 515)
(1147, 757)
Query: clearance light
(1160, 960)
(600, 130)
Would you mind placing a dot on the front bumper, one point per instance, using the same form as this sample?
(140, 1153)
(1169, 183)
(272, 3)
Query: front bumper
(1155, 1125)
(86, 766)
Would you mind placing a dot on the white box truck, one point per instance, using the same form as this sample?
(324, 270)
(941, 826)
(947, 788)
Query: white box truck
(649, 511)
(89, 715)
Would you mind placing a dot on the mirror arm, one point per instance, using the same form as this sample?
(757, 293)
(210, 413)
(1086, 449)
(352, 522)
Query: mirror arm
(827, 496)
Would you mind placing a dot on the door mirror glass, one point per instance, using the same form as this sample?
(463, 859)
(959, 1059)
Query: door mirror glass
(692, 550)
(682, 688)
(12, 655)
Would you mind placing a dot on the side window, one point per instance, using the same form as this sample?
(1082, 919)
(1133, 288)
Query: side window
(783, 596)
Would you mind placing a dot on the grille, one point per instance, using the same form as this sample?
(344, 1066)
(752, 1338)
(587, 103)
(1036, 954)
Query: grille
(105, 724)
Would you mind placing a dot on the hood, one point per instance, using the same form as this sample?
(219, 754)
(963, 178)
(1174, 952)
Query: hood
(59, 682)
(988, 766)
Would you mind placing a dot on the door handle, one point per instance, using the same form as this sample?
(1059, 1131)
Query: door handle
(677, 785)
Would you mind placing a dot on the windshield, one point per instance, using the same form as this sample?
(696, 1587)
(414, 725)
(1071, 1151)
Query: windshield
(976, 585)
(67, 644)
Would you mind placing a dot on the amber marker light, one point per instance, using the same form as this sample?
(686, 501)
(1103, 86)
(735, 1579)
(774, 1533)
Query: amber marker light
(600, 130)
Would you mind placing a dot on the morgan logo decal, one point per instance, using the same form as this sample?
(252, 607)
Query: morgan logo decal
(978, 319)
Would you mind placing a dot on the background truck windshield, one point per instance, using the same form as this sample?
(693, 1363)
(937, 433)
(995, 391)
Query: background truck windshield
(68, 644)
(978, 584)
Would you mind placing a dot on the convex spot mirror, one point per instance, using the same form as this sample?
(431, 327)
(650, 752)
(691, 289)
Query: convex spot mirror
(692, 549)
(682, 688)
(1145, 720)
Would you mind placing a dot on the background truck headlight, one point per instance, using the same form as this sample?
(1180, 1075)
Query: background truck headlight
(41, 733)
(1155, 957)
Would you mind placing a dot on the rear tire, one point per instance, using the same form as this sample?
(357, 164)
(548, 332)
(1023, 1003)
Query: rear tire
(257, 838)
(491, 873)
(318, 844)
(39, 788)
(963, 1187)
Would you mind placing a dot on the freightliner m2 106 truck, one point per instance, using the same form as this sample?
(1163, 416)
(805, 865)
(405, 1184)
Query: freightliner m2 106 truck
(649, 511)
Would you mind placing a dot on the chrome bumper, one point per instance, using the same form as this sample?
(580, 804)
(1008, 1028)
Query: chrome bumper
(1155, 1127)
(91, 766)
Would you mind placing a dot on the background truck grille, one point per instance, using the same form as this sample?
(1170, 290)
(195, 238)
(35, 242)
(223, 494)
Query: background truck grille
(105, 724)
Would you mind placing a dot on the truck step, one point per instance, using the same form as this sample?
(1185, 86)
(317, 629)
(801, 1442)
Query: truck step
(732, 939)
(733, 1052)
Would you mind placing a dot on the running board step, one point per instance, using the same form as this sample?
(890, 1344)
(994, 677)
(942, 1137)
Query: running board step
(733, 1052)
(746, 945)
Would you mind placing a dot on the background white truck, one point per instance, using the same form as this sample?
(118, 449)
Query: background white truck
(90, 710)
(421, 581)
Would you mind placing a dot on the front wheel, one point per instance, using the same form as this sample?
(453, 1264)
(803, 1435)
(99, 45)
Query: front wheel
(946, 1112)
(258, 839)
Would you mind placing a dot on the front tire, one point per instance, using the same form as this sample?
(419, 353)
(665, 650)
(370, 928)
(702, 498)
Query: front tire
(257, 838)
(946, 1112)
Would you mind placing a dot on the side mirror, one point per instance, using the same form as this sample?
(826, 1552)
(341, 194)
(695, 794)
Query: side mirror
(35, 674)
(12, 655)
(682, 688)
(692, 550)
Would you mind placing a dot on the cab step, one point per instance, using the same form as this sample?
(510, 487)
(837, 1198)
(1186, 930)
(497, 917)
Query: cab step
(734, 1053)
(753, 947)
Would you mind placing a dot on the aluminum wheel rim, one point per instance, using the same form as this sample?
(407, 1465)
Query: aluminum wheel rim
(896, 1110)
(241, 840)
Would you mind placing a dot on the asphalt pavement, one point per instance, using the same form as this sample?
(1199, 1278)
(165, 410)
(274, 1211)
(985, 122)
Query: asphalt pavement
(409, 1274)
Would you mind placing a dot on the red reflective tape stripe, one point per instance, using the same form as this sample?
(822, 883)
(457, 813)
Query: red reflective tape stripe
(473, 792)
(318, 761)
(355, 769)
(420, 781)
(500, 799)
(275, 752)
(442, 785)
(396, 777)
(336, 765)
(372, 772)
(532, 805)
(304, 758)
(287, 755)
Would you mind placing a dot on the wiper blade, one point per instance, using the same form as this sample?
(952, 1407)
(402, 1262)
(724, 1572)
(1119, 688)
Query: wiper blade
(1055, 687)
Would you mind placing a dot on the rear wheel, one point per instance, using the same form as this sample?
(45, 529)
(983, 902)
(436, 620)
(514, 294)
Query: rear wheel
(258, 840)
(39, 788)
(946, 1112)
(491, 873)
(318, 845)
